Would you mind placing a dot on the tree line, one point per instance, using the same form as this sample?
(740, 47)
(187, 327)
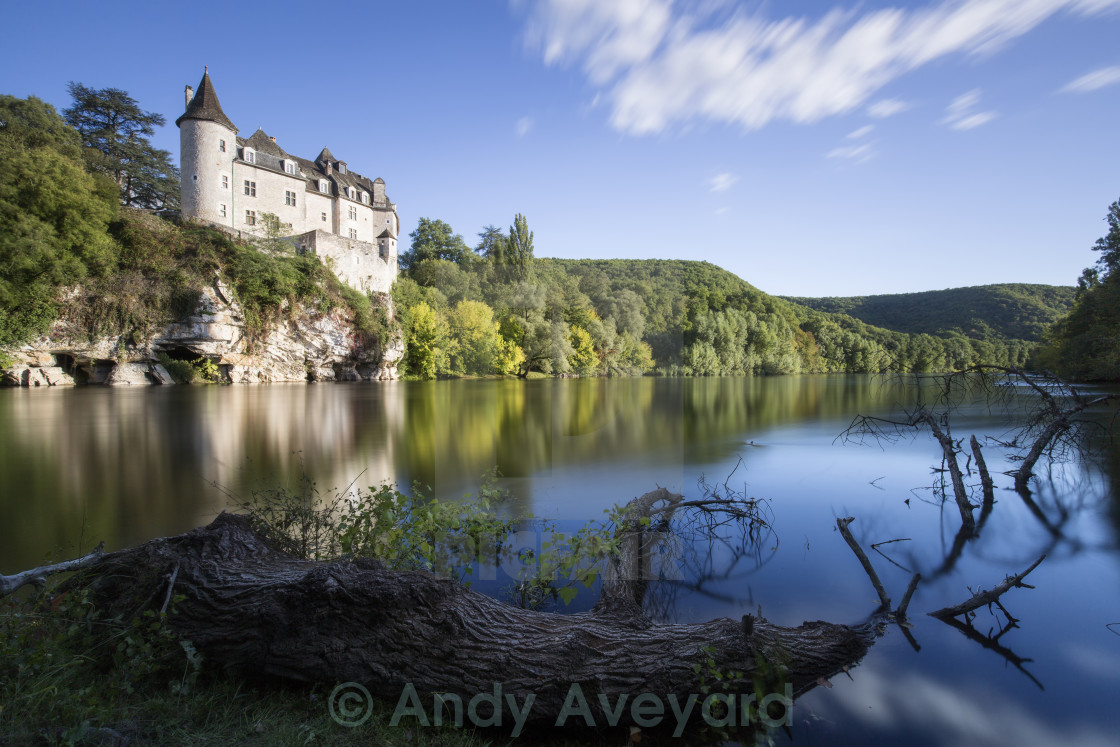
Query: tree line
(495, 308)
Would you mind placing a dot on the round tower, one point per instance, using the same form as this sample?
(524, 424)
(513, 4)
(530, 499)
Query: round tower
(207, 145)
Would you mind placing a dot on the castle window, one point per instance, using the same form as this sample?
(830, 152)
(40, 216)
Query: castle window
(250, 156)
(324, 217)
(323, 186)
(225, 182)
(222, 210)
(353, 213)
(251, 217)
(365, 197)
(354, 234)
(289, 167)
(221, 146)
(289, 198)
(250, 188)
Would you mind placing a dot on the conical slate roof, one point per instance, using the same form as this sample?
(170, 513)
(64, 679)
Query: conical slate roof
(205, 105)
(325, 156)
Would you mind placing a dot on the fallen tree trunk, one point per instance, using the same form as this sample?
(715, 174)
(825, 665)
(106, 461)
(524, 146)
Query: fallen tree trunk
(253, 610)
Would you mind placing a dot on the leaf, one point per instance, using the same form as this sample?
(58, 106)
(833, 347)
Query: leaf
(567, 594)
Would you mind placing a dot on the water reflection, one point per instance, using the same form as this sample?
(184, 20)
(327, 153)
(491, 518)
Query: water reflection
(87, 464)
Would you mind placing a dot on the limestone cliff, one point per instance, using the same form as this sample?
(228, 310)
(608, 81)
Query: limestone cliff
(302, 345)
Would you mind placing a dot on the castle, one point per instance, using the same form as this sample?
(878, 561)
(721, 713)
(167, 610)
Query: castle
(232, 182)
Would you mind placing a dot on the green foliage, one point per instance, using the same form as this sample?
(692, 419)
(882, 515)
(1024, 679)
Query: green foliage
(427, 343)
(53, 217)
(1109, 244)
(1085, 345)
(477, 340)
(434, 239)
(116, 131)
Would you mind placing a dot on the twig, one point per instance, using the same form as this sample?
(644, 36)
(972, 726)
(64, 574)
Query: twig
(170, 586)
(842, 525)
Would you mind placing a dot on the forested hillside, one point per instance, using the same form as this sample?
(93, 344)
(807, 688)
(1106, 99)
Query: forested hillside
(1008, 311)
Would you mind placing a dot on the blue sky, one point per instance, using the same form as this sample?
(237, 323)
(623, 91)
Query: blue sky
(813, 148)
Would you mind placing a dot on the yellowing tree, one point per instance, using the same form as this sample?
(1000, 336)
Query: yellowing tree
(476, 338)
(427, 343)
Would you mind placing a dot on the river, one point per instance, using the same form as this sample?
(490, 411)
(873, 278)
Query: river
(82, 465)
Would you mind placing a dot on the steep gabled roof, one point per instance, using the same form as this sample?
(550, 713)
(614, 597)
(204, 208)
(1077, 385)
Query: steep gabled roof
(262, 143)
(205, 105)
(386, 234)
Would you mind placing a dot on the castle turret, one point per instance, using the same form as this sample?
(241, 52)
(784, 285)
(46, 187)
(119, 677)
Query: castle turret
(207, 146)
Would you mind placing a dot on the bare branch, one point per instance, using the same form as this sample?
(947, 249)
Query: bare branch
(983, 598)
(9, 584)
(842, 525)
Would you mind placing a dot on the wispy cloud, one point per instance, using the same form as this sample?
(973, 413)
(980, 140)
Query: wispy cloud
(663, 63)
(959, 115)
(1106, 76)
(887, 108)
(852, 152)
(523, 126)
(722, 182)
(861, 132)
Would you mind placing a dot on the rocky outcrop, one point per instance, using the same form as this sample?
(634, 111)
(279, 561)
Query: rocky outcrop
(303, 345)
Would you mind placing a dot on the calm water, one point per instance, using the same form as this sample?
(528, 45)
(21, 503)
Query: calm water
(84, 465)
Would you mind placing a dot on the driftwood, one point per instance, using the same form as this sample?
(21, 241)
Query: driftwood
(16, 581)
(254, 610)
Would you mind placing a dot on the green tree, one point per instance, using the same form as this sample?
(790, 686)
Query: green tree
(434, 239)
(1109, 244)
(427, 343)
(582, 358)
(54, 216)
(117, 131)
(492, 244)
(519, 249)
(476, 337)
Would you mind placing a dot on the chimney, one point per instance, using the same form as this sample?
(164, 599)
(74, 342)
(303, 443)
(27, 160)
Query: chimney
(190, 95)
(270, 137)
(327, 168)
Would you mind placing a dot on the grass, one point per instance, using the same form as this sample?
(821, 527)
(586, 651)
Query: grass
(68, 677)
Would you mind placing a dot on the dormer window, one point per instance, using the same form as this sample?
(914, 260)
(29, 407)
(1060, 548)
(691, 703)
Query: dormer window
(342, 167)
(250, 156)
(365, 197)
(323, 186)
(289, 167)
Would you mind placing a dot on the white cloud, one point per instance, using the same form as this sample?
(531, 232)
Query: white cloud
(861, 152)
(861, 132)
(722, 182)
(959, 115)
(523, 126)
(887, 108)
(1106, 76)
(663, 63)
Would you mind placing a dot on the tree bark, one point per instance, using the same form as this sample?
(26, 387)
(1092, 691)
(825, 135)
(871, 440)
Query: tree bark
(253, 610)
